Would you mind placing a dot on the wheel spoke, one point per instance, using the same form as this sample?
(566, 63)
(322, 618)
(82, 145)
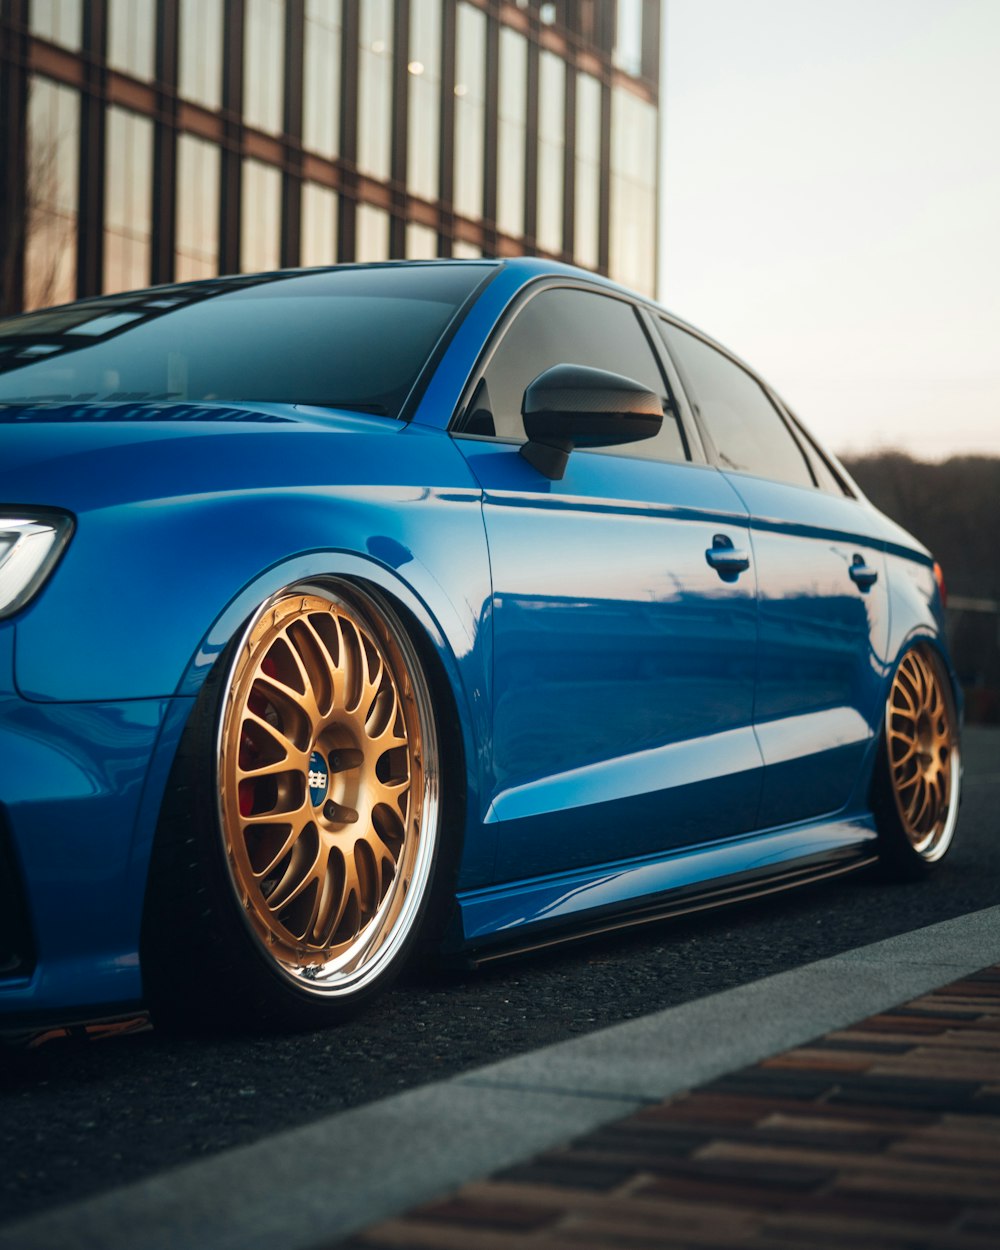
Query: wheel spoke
(352, 662)
(379, 845)
(389, 791)
(278, 769)
(350, 892)
(287, 745)
(303, 868)
(330, 897)
(385, 724)
(276, 855)
(303, 701)
(906, 691)
(899, 759)
(921, 809)
(902, 744)
(311, 657)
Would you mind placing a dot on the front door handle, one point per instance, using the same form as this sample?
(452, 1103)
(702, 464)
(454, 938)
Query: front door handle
(863, 575)
(727, 560)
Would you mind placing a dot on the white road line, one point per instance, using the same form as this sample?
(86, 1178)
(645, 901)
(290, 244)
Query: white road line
(310, 1185)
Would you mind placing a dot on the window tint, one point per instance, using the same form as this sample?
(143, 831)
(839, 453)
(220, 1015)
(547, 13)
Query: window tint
(744, 425)
(352, 338)
(564, 326)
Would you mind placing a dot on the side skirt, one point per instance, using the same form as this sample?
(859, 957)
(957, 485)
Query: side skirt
(526, 915)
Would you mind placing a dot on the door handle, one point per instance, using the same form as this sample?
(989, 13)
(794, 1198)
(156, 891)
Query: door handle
(727, 560)
(863, 575)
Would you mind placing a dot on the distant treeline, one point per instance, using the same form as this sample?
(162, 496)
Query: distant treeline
(954, 509)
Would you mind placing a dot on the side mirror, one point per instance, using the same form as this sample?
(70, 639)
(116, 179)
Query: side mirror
(571, 406)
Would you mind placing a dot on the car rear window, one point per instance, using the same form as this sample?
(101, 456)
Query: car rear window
(346, 338)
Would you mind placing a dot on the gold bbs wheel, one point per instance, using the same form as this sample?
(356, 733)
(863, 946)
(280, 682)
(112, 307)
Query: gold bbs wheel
(327, 786)
(923, 754)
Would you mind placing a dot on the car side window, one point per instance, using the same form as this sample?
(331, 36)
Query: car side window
(827, 478)
(564, 325)
(749, 433)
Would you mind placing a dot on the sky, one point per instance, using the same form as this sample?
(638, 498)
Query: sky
(831, 187)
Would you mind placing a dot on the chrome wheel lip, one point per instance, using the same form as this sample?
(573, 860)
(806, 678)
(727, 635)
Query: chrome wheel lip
(933, 847)
(374, 950)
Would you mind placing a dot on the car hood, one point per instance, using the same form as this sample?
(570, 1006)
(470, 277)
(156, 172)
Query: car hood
(83, 456)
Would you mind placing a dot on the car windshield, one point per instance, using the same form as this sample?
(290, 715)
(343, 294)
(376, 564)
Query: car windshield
(344, 338)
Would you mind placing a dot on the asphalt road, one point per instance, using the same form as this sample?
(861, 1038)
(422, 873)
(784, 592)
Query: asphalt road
(80, 1117)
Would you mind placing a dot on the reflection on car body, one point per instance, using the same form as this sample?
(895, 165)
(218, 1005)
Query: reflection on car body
(352, 614)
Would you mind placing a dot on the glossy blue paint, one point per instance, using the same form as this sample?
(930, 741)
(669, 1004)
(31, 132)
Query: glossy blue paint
(665, 884)
(823, 643)
(193, 527)
(73, 777)
(615, 639)
(191, 514)
(636, 725)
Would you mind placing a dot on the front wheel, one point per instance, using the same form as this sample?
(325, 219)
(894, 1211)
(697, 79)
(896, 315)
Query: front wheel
(918, 784)
(305, 820)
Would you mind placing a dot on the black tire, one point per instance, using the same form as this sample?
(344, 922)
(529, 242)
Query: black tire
(916, 790)
(300, 848)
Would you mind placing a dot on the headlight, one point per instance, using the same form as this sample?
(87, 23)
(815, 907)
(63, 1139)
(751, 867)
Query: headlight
(30, 545)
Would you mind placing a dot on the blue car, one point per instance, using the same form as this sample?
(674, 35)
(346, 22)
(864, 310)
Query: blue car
(354, 613)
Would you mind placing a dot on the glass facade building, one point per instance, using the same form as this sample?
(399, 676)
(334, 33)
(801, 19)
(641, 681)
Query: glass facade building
(148, 141)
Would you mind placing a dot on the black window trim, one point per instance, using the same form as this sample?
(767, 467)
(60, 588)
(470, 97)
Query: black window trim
(692, 440)
(813, 449)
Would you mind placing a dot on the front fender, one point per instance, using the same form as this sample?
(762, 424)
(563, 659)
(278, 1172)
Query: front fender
(167, 587)
(465, 672)
(143, 584)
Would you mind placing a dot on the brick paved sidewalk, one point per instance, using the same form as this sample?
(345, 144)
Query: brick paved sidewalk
(883, 1136)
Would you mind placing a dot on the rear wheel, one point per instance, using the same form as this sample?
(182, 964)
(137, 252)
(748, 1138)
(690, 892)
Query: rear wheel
(919, 782)
(300, 843)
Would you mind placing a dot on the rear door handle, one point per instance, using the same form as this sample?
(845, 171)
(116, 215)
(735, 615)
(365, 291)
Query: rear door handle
(863, 575)
(726, 559)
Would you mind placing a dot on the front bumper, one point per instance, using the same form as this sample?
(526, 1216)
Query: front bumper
(80, 791)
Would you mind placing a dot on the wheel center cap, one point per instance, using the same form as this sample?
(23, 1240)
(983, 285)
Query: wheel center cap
(319, 779)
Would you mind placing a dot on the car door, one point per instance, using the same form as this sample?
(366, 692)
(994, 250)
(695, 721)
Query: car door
(822, 594)
(624, 663)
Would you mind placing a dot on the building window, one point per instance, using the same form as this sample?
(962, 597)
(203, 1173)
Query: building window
(511, 131)
(260, 217)
(551, 151)
(587, 206)
(264, 65)
(466, 251)
(470, 110)
(372, 228)
(321, 78)
(50, 225)
(128, 200)
(319, 225)
(421, 242)
(375, 89)
(200, 69)
(59, 21)
(197, 245)
(132, 37)
(628, 37)
(633, 191)
(425, 86)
